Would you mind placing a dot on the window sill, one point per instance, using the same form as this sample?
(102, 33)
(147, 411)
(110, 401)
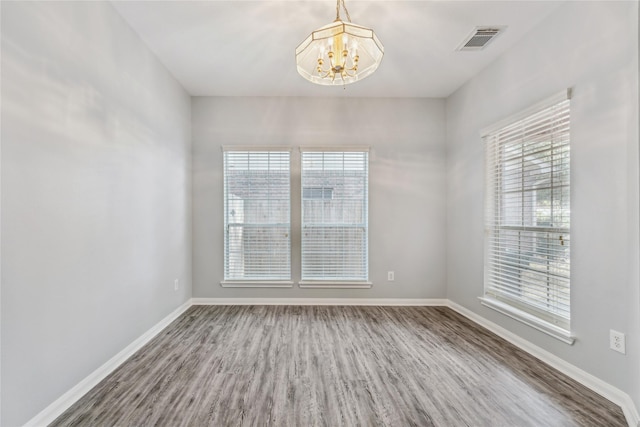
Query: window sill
(529, 320)
(313, 284)
(256, 284)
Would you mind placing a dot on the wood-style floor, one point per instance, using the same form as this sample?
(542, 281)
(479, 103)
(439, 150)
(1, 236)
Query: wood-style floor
(335, 366)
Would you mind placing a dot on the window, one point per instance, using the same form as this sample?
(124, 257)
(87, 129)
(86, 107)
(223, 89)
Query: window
(257, 225)
(527, 269)
(334, 216)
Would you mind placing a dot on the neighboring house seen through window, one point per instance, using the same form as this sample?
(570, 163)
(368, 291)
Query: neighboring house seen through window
(257, 212)
(335, 216)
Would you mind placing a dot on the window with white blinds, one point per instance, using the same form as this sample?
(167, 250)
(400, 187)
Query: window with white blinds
(528, 215)
(335, 216)
(257, 212)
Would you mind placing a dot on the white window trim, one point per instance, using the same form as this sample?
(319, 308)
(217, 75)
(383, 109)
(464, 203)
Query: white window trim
(528, 319)
(547, 102)
(247, 283)
(260, 148)
(493, 303)
(336, 149)
(338, 284)
(256, 284)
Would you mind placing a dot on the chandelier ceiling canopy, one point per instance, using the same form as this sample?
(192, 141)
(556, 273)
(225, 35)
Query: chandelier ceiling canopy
(339, 53)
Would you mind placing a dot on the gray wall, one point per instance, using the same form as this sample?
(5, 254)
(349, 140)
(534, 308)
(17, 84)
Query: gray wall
(634, 294)
(406, 188)
(634, 300)
(586, 46)
(96, 187)
(95, 196)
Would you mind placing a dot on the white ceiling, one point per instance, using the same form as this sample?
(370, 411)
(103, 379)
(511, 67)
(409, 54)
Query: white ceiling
(246, 48)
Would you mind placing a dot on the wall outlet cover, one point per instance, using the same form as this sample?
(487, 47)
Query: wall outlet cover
(617, 341)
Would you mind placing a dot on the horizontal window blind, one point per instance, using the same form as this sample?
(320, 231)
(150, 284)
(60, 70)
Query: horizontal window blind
(528, 214)
(335, 216)
(257, 212)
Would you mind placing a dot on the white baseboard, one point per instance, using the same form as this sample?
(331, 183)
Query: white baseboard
(604, 389)
(50, 413)
(321, 301)
(64, 402)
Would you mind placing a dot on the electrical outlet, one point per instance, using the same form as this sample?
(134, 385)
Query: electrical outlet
(617, 341)
(176, 284)
(391, 276)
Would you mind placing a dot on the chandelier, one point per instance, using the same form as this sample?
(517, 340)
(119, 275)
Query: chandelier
(339, 53)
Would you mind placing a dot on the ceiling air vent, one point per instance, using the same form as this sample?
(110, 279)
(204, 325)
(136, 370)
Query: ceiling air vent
(480, 37)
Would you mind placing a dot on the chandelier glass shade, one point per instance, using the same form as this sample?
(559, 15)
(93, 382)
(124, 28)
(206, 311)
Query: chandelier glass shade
(339, 53)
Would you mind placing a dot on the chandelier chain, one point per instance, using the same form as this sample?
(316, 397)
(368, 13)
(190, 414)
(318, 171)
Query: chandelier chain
(340, 3)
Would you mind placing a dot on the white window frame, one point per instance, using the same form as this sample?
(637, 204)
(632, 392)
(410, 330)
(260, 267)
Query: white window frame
(262, 279)
(334, 279)
(517, 247)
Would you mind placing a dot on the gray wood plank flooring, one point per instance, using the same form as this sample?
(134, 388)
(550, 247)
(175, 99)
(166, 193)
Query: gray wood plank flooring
(335, 366)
